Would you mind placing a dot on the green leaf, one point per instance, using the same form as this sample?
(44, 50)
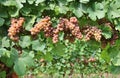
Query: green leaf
(116, 56)
(115, 69)
(117, 43)
(17, 3)
(31, 1)
(26, 10)
(117, 23)
(13, 57)
(14, 12)
(38, 45)
(9, 62)
(84, 1)
(25, 41)
(14, 54)
(117, 27)
(5, 42)
(96, 11)
(39, 1)
(27, 59)
(8, 2)
(91, 14)
(29, 22)
(78, 9)
(113, 51)
(58, 49)
(107, 35)
(3, 74)
(114, 9)
(20, 67)
(62, 2)
(61, 9)
(106, 32)
(78, 12)
(116, 61)
(95, 45)
(3, 13)
(52, 6)
(22, 1)
(105, 54)
(69, 0)
(48, 56)
(4, 52)
(1, 21)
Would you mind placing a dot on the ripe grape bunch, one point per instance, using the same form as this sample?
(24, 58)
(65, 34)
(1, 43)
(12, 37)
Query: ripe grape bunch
(72, 29)
(69, 27)
(43, 24)
(15, 28)
(93, 32)
(75, 30)
(60, 27)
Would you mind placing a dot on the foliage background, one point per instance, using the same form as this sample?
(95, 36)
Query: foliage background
(63, 57)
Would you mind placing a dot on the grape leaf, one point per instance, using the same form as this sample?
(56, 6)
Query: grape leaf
(114, 69)
(117, 27)
(48, 56)
(69, 0)
(96, 11)
(84, 1)
(5, 42)
(106, 31)
(78, 9)
(58, 49)
(105, 54)
(14, 12)
(31, 1)
(20, 67)
(116, 56)
(3, 74)
(1, 21)
(25, 41)
(27, 59)
(26, 10)
(17, 3)
(3, 13)
(38, 45)
(114, 9)
(39, 1)
(29, 22)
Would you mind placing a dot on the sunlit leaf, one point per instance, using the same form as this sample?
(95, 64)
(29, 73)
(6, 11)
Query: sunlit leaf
(25, 41)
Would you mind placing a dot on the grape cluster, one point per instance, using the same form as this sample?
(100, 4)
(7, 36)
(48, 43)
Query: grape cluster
(55, 36)
(92, 59)
(60, 27)
(69, 27)
(16, 26)
(44, 23)
(93, 32)
(73, 27)
(48, 31)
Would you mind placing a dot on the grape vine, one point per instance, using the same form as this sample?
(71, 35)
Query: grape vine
(61, 37)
